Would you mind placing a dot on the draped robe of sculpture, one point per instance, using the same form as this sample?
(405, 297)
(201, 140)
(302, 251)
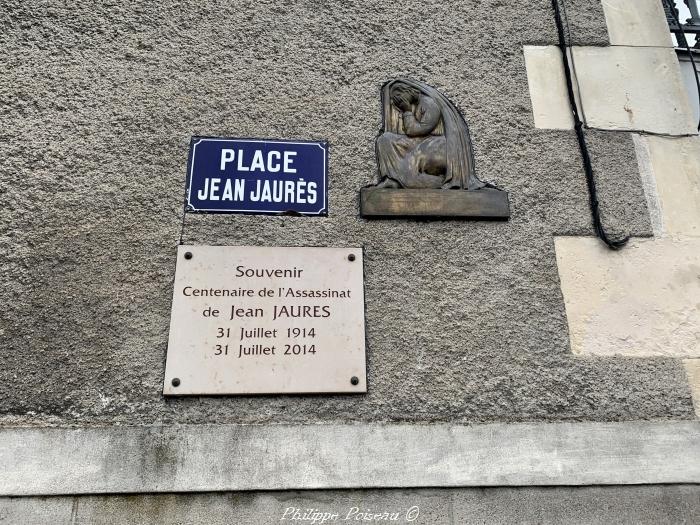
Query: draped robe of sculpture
(426, 147)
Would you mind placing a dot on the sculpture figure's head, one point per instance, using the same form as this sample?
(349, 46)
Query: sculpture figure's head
(403, 95)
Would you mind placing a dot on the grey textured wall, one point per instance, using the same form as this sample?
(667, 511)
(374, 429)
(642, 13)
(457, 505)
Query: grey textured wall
(465, 320)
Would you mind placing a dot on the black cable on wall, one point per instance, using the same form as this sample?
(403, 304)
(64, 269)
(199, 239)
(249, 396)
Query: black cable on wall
(583, 147)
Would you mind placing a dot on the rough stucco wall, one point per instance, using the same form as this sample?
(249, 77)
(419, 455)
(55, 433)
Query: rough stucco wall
(657, 505)
(584, 22)
(465, 320)
(692, 367)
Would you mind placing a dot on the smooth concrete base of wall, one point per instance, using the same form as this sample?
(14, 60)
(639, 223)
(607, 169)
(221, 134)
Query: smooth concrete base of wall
(650, 504)
(204, 458)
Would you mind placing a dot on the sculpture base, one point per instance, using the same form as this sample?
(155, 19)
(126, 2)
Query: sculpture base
(397, 203)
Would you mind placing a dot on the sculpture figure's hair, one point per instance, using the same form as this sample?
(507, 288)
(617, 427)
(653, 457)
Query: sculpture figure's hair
(401, 89)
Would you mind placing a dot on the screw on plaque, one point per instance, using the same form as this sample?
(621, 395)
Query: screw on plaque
(175, 381)
(188, 255)
(354, 380)
(351, 257)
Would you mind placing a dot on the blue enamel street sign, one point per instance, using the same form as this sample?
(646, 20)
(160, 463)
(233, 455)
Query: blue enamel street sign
(257, 176)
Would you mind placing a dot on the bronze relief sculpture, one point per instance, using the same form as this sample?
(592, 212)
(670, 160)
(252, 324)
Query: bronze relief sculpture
(425, 160)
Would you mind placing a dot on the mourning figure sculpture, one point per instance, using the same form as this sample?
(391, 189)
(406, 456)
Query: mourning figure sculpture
(425, 147)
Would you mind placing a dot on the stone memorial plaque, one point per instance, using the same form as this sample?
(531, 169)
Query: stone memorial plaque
(266, 320)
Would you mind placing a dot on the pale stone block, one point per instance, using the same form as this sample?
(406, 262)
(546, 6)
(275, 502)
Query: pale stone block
(547, 83)
(637, 23)
(633, 88)
(641, 301)
(651, 192)
(692, 369)
(675, 165)
(691, 86)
